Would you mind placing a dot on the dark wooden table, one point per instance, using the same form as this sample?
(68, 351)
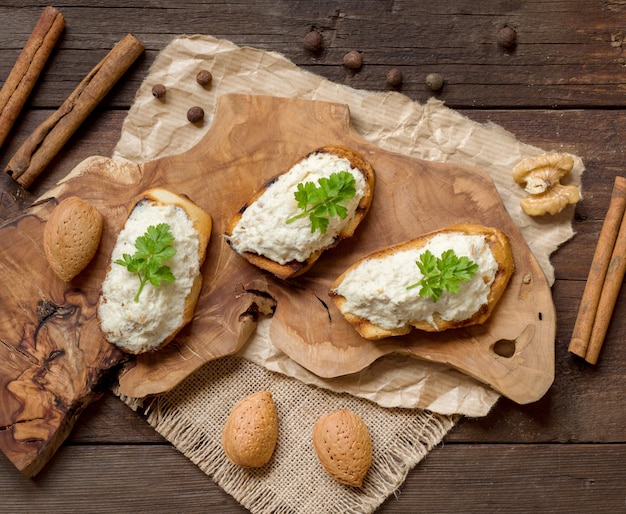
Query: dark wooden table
(563, 87)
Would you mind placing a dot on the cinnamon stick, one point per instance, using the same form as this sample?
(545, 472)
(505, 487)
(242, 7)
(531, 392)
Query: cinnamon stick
(589, 306)
(28, 67)
(45, 142)
(608, 297)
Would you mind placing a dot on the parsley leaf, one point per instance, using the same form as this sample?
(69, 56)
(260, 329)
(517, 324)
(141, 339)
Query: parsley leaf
(444, 273)
(324, 201)
(152, 249)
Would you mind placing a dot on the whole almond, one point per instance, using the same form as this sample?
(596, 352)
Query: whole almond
(71, 236)
(251, 431)
(343, 445)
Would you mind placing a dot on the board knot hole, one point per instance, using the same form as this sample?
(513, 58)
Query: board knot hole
(504, 348)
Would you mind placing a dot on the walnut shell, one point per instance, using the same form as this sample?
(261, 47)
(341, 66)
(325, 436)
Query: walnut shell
(71, 236)
(541, 178)
(343, 446)
(251, 431)
(551, 201)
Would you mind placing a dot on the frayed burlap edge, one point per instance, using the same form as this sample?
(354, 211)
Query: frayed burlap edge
(192, 415)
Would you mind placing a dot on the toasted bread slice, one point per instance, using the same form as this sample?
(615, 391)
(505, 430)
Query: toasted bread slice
(160, 312)
(376, 297)
(259, 231)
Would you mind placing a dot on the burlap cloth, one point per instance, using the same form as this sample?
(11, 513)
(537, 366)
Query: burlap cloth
(408, 405)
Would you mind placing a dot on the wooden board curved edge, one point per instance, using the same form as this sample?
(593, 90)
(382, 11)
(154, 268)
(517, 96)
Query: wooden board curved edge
(218, 329)
(518, 359)
(515, 358)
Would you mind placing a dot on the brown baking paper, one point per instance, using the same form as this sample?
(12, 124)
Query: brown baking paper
(408, 404)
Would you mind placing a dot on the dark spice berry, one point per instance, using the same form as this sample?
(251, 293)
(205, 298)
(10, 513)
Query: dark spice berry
(394, 77)
(434, 81)
(352, 60)
(204, 77)
(195, 114)
(158, 90)
(507, 37)
(313, 41)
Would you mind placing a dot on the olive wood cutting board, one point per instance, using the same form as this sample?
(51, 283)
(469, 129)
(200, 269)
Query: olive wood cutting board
(53, 357)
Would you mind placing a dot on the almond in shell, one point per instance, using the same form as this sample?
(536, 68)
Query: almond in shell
(71, 236)
(343, 446)
(251, 431)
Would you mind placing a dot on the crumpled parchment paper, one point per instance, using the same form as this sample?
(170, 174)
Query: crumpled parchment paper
(156, 128)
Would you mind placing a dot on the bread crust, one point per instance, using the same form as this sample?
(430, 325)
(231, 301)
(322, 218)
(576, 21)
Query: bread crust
(501, 249)
(294, 268)
(202, 223)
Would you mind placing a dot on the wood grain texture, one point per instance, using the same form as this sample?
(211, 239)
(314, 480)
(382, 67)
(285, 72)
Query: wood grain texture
(52, 357)
(567, 415)
(239, 154)
(458, 40)
(562, 89)
(578, 478)
(14, 199)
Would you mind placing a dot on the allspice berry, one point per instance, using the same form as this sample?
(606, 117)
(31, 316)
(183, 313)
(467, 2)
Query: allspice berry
(507, 37)
(352, 60)
(195, 114)
(434, 81)
(313, 41)
(394, 77)
(204, 77)
(158, 90)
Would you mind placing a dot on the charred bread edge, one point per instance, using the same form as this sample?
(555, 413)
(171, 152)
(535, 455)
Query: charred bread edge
(295, 268)
(502, 252)
(202, 223)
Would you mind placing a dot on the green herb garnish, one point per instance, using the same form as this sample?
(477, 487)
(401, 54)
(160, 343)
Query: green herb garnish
(152, 249)
(444, 273)
(323, 201)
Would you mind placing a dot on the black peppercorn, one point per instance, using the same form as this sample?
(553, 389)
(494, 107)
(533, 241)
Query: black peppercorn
(195, 114)
(352, 60)
(507, 37)
(394, 77)
(204, 77)
(313, 41)
(158, 90)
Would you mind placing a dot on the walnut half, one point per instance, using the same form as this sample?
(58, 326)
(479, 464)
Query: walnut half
(541, 177)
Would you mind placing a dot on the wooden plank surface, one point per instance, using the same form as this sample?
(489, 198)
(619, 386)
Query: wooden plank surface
(569, 54)
(563, 88)
(549, 478)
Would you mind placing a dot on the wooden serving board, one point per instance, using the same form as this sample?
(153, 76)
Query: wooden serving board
(52, 350)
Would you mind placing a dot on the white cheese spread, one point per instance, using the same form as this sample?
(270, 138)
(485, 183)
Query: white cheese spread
(143, 324)
(377, 288)
(262, 228)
